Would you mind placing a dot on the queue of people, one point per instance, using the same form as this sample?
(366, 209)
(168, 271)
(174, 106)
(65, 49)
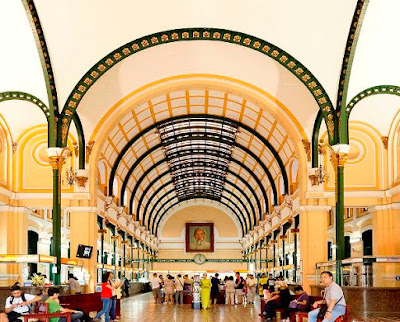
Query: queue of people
(170, 290)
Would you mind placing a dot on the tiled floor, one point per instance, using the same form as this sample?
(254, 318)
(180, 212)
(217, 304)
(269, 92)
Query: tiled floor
(141, 308)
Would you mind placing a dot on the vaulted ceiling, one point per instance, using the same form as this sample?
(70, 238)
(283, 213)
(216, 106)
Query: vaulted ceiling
(208, 136)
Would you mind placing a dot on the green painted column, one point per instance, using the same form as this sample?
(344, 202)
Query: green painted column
(56, 162)
(295, 257)
(266, 258)
(255, 259)
(339, 217)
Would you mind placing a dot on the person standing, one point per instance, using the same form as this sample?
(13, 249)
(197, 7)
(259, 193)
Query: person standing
(251, 283)
(215, 288)
(169, 287)
(239, 285)
(271, 284)
(179, 289)
(205, 291)
(156, 288)
(73, 285)
(106, 296)
(333, 298)
(262, 284)
(230, 291)
(126, 286)
(116, 293)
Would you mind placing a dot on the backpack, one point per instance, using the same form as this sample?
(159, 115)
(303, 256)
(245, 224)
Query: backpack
(22, 297)
(23, 300)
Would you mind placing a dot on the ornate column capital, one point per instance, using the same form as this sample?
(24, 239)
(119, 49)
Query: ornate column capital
(56, 156)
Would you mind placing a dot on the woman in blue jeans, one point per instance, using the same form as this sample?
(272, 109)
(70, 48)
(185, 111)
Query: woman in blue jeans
(106, 296)
(333, 298)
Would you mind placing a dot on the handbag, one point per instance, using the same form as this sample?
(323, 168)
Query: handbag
(324, 308)
(293, 304)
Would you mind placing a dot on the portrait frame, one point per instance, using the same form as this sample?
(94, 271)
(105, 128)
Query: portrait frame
(207, 228)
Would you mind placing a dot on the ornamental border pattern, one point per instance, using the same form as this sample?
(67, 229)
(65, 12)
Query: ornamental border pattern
(213, 34)
(375, 90)
(349, 52)
(22, 96)
(39, 35)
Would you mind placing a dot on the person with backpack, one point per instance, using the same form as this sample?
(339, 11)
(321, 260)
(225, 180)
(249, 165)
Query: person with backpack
(239, 285)
(19, 303)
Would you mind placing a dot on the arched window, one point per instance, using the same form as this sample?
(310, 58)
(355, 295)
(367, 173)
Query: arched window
(367, 242)
(102, 173)
(115, 187)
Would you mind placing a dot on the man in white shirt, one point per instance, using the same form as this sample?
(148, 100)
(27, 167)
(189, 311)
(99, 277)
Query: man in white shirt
(179, 289)
(156, 287)
(251, 283)
(19, 303)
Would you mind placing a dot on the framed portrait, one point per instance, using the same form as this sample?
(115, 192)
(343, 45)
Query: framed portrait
(200, 237)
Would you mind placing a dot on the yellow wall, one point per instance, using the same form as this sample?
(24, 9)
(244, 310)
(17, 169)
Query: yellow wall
(222, 222)
(13, 240)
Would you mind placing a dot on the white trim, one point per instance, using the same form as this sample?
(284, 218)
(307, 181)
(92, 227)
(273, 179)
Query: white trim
(81, 209)
(49, 195)
(7, 193)
(9, 208)
(314, 208)
(392, 206)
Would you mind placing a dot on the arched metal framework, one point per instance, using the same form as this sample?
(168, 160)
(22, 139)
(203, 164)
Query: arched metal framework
(198, 151)
(194, 117)
(156, 226)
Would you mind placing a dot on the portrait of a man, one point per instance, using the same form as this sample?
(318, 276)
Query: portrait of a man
(200, 237)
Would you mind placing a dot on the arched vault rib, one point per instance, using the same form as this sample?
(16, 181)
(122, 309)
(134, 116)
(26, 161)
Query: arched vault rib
(196, 116)
(167, 172)
(192, 34)
(243, 221)
(247, 151)
(155, 193)
(154, 228)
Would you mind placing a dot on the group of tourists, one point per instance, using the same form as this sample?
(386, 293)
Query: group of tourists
(170, 290)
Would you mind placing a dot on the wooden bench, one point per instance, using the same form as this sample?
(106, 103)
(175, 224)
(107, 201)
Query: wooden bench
(299, 315)
(86, 303)
(41, 313)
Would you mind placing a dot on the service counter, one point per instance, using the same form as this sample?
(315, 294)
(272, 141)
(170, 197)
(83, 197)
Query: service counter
(371, 301)
(138, 287)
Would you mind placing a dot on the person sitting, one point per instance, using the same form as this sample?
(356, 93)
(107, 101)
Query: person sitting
(54, 307)
(19, 303)
(302, 302)
(333, 298)
(279, 299)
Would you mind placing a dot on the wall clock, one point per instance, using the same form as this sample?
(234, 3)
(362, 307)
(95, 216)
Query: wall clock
(199, 259)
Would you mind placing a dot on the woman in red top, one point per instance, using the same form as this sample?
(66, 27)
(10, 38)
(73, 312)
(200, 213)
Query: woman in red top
(106, 296)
